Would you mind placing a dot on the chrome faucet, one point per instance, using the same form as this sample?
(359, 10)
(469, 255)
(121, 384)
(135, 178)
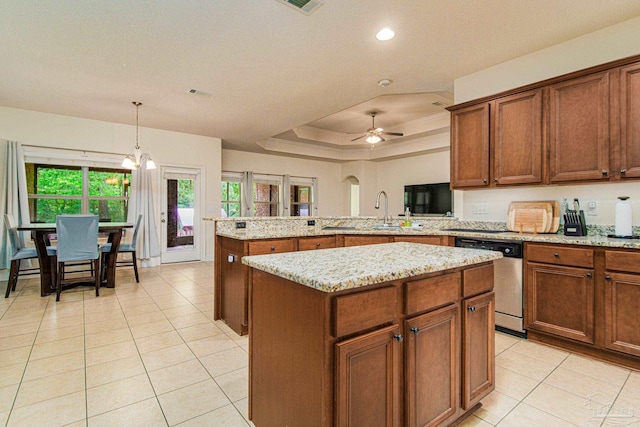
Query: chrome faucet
(387, 218)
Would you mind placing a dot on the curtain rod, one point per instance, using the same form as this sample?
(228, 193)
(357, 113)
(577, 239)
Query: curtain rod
(72, 149)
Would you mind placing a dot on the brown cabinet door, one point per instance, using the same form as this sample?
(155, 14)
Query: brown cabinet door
(368, 371)
(560, 301)
(233, 308)
(310, 243)
(630, 122)
(470, 146)
(622, 305)
(579, 129)
(262, 247)
(478, 343)
(517, 138)
(432, 365)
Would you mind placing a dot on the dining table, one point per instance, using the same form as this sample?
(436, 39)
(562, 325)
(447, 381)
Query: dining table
(41, 232)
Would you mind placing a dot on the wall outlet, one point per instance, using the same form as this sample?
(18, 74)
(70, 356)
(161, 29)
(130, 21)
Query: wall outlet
(311, 222)
(592, 208)
(480, 208)
(241, 224)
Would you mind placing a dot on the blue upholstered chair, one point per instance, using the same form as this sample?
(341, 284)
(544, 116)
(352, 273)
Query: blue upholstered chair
(19, 253)
(124, 248)
(77, 241)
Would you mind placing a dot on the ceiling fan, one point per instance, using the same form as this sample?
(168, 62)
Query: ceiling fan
(374, 134)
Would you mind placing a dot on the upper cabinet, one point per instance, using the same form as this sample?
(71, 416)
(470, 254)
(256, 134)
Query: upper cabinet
(579, 129)
(629, 166)
(584, 126)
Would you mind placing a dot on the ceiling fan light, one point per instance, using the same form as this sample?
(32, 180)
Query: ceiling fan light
(150, 164)
(373, 139)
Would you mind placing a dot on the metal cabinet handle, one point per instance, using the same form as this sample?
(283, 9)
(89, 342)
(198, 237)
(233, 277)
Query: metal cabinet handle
(317, 245)
(398, 337)
(471, 308)
(607, 277)
(495, 180)
(623, 171)
(484, 181)
(415, 330)
(604, 172)
(589, 275)
(557, 255)
(273, 248)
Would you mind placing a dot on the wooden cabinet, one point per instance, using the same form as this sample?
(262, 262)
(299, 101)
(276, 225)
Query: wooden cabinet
(584, 299)
(262, 247)
(560, 301)
(478, 315)
(517, 138)
(583, 126)
(579, 129)
(622, 301)
(470, 146)
(428, 240)
(432, 367)
(369, 365)
(629, 111)
(386, 355)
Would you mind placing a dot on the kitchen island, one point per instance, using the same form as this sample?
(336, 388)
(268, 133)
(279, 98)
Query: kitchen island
(382, 335)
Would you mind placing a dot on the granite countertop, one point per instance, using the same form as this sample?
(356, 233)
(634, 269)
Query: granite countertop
(332, 270)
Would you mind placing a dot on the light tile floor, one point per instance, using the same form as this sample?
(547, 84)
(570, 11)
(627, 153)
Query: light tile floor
(149, 354)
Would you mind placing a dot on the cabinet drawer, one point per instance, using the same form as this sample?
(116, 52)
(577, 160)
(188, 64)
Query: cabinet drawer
(477, 280)
(262, 247)
(363, 310)
(365, 240)
(429, 240)
(560, 255)
(622, 261)
(425, 294)
(308, 243)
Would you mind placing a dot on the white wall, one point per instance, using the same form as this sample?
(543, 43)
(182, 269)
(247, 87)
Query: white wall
(615, 42)
(330, 198)
(166, 148)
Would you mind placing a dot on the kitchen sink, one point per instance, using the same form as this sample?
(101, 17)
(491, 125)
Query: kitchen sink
(473, 230)
(386, 227)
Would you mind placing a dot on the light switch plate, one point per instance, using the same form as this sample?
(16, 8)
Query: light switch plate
(592, 208)
(480, 208)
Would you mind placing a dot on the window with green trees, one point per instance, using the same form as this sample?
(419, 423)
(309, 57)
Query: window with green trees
(230, 191)
(59, 189)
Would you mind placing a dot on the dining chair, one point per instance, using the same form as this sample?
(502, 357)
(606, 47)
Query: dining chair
(129, 247)
(19, 253)
(77, 241)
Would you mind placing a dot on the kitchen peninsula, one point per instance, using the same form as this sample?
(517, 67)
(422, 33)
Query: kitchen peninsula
(388, 334)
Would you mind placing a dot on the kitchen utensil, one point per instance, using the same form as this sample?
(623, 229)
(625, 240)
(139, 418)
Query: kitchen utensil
(552, 213)
(576, 205)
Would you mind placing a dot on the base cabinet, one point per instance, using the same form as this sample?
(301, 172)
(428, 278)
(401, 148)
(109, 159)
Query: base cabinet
(390, 355)
(585, 300)
(369, 365)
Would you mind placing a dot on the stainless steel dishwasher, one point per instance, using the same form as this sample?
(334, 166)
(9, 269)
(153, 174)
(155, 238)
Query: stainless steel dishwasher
(508, 284)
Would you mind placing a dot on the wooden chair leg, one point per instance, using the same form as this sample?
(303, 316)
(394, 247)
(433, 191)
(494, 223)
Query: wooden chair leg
(135, 265)
(97, 276)
(59, 278)
(13, 277)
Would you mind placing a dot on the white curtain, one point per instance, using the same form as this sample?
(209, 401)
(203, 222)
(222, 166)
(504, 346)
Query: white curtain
(247, 191)
(286, 198)
(14, 200)
(141, 202)
(314, 196)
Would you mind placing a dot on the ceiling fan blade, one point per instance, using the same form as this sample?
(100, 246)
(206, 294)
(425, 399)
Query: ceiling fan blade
(360, 137)
(393, 133)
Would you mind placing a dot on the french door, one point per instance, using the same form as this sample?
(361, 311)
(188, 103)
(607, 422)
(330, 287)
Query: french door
(180, 214)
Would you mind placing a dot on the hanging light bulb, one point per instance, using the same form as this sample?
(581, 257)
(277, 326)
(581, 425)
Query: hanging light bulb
(373, 139)
(138, 158)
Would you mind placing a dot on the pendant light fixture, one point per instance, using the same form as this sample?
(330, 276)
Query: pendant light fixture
(138, 157)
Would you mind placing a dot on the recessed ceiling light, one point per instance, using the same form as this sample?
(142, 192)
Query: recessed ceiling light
(384, 82)
(385, 34)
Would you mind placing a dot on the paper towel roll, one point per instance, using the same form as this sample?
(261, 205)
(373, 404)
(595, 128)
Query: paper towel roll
(624, 214)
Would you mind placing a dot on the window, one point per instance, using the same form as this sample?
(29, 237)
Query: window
(230, 198)
(266, 199)
(59, 189)
(300, 200)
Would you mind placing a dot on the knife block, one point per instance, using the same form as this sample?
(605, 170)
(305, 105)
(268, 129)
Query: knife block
(575, 223)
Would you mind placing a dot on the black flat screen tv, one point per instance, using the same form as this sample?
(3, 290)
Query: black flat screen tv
(429, 199)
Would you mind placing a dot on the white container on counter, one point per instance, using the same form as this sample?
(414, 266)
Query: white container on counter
(624, 214)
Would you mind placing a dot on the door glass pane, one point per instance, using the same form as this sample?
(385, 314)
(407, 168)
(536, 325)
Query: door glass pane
(180, 211)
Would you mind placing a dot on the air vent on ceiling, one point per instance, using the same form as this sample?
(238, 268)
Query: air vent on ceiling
(305, 6)
(200, 93)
